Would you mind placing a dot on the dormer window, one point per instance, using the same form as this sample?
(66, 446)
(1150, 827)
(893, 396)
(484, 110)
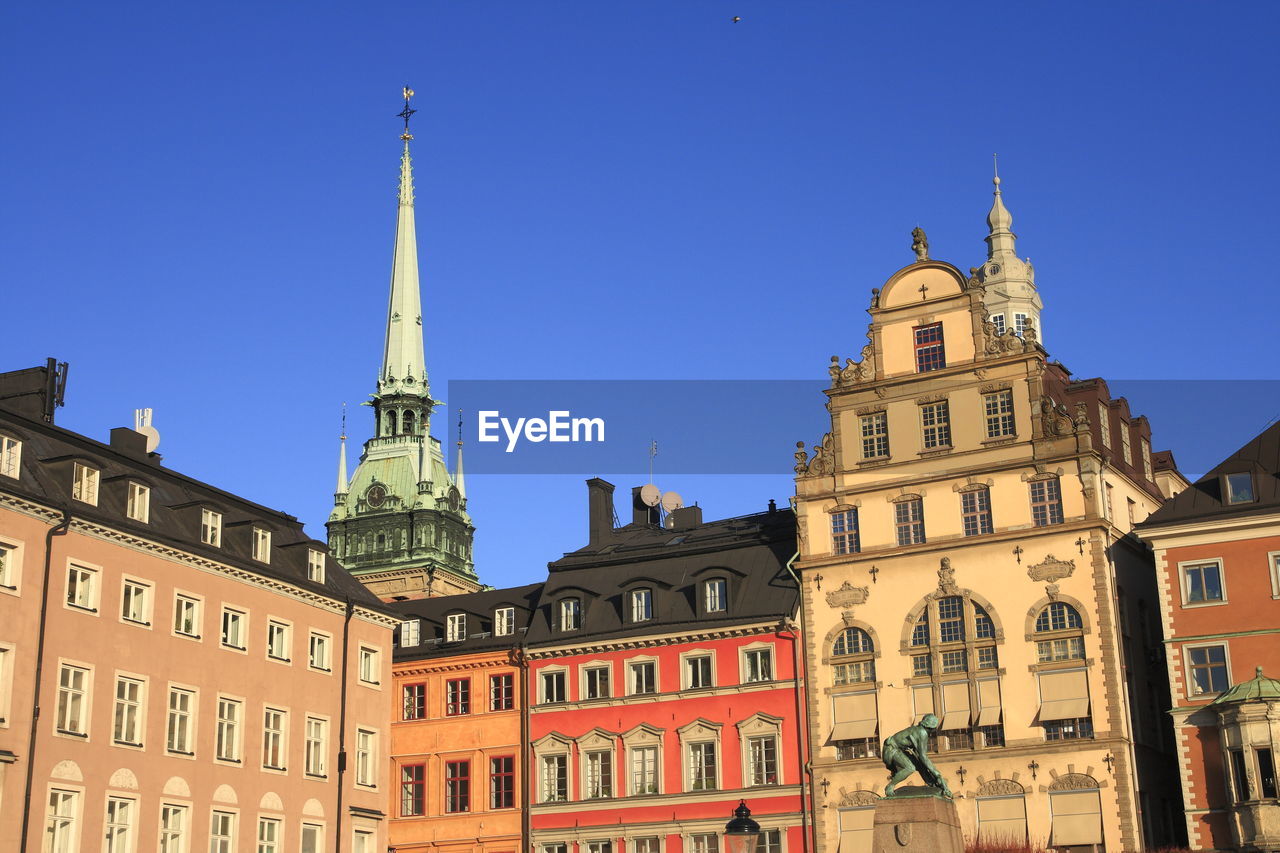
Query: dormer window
(1238, 488)
(211, 527)
(641, 605)
(570, 614)
(410, 633)
(84, 484)
(10, 456)
(455, 629)
(138, 506)
(714, 598)
(261, 545)
(930, 354)
(504, 621)
(315, 565)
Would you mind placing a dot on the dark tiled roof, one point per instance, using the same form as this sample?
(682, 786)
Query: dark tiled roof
(1204, 498)
(750, 552)
(479, 608)
(48, 452)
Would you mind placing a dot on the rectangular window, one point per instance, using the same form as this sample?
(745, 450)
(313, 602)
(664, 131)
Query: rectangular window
(975, 512)
(211, 527)
(230, 715)
(921, 665)
(1239, 775)
(599, 775)
(553, 687)
(570, 614)
(127, 725)
(705, 843)
(1202, 583)
(698, 672)
(273, 723)
(366, 759)
(1239, 488)
(930, 354)
(1126, 448)
(951, 620)
(455, 628)
(60, 821)
(502, 782)
(10, 456)
(987, 658)
(652, 844)
(222, 832)
(318, 651)
(759, 665)
(644, 677)
(501, 692)
(954, 661)
(173, 829)
(268, 835)
(935, 421)
(8, 566)
(1075, 729)
(233, 628)
(1146, 458)
(414, 705)
(1266, 773)
(119, 825)
(855, 673)
(998, 408)
(997, 320)
(138, 504)
(504, 621)
(413, 790)
(713, 595)
(362, 841)
(875, 435)
(1046, 502)
(410, 633)
(644, 770)
(457, 697)
(315, 565)
(848, 750)
(762, 760)
(84, 484)
(312, 838)
(186, 616)
(278, 640)
(135, 602)
(991, 735)
(1208, 669)
(1019, 324)
(72, 698)
(182, 705)
(599, 847)
(555, 778)
(844, 532)
(316, 747)
(261, 545)
(1104, 425)
(369, 665)
(909, 520)
(641, 605)
(82, 587)
(702, 766)
(597, 679)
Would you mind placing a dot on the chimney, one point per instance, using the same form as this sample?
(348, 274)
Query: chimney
(686, 518)
(600, 510)
(641, 513)
(129, 442)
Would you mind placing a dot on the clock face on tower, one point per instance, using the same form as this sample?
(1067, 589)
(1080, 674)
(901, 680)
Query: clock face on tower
(376, 496)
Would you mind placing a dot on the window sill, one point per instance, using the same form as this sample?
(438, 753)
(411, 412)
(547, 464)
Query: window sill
(139, 622)
(274, 768)
(1193, 605)
(81, 735)
(996, 441)
(236, 761)
(126, 743)
(935, 451)
(187, 636)
(180, 752)
(317, 776)
(8, 587)
(326, 670)
(874, 461)
(280, 659)
(81, 607)
(232, 648)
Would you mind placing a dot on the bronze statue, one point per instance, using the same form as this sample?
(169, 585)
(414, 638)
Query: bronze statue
(907, 752)
(919, 244)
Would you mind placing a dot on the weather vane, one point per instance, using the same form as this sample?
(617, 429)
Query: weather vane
(405, 113)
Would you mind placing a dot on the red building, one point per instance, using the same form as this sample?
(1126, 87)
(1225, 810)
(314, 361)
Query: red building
(664, 688)
(1217, 550)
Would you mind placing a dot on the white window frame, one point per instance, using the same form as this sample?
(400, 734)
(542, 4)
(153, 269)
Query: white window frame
(324, 661)
(362, 840)
(121, 835)
(1185, 565)
(744, 657)
(131, 589)
(211, 527)
(631, 676)
(85, 480)
(1189, 681)
(640, 604)
(235, 728)
(997, 320)
(719, 597)
(10, 565)
(1273, 564)
(273, 827)
(10, 456)
(748, 762)
(242, 632)
(570, 607)
(59, 819)
(687, 747)
(138, 503)
(455, 627)
(279, 637)
(137, 704)
(8, 654)
(562, 755)
(275, 738)
(315, 735)
(606, 780)
(318, 832)
(315, 565)
(583, 689)
(89, 580)
(370, 662)
(186, 717)
(62, 722)
(504, 621)
(366, 763)
(561, 671)
(410, 633)
(262, 545)
(632, 756)
(686, 670)
(223, 841)
(178, 836)
(197, 613)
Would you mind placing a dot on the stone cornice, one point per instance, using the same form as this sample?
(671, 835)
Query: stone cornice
(428, 666)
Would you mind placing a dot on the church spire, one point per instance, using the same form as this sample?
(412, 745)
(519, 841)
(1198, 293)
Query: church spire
(458, 479)
(1000, 240)
(1009, 282)
(343, 481)
(403, 364)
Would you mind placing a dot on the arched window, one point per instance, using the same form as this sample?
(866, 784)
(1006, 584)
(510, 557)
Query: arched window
(389, 428)
(406, 423)
(853, 656)
(1059, 633)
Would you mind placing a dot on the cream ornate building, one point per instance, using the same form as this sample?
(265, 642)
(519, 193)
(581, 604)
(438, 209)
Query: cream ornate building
(965, 551)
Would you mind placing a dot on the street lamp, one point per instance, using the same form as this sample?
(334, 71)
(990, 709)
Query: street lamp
(742, 834)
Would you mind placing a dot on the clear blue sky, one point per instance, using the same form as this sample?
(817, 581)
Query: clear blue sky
(197, 202)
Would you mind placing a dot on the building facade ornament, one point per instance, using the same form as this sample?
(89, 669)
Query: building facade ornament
(1051, 569)
(848, 595)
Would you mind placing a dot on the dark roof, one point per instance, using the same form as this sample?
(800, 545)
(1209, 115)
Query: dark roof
(479, 608)
(750, 552)
(48, 452)
(1204, 498)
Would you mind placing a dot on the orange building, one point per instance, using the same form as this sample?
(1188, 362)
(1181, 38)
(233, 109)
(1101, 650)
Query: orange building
(180, 669)
(1217, 549)
(456, 765)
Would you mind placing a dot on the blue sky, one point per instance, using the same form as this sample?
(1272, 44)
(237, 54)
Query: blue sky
(197, 202)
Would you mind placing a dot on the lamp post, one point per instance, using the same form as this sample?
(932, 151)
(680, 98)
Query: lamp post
(742, 834)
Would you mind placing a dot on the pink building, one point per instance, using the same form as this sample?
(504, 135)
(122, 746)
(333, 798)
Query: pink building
(181, 669)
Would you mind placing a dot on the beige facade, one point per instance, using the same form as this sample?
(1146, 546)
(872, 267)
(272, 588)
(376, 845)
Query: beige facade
(188, 649)
(964, 553)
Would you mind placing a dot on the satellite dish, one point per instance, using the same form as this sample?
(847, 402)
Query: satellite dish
(142, 424)
(671, 501)
(650, 495)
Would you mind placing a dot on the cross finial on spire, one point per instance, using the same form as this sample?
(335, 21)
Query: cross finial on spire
(406, 113)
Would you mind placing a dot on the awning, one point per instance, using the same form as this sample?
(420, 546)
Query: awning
(955, 701)
(854, 715)
(988, 702)
(1003, 819)
(1077, 818)
(922, 697)
(1063, 695)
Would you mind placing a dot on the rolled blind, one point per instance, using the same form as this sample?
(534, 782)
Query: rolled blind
(1064, 695)
(1077, 817)
(1003, 819)
(955, 702)
(854, 715)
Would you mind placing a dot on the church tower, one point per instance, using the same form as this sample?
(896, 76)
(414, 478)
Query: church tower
(400, 523)
(1009, 282)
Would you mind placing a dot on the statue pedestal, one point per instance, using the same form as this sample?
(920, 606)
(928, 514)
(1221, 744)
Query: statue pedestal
(916, 820)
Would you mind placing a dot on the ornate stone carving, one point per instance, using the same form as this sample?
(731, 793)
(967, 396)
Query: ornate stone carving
(1000, 788)
(1054, 420)
(848, 595)
(802, 459)
(1051, 590)
(919, 244)
(857, 798)
(824, 458)
(902, 834)
(997, 343)
(1051, 569)
(1073, 782)
(853, 372)
(947, 578)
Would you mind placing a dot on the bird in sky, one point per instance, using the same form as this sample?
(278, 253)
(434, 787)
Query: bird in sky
(735, 19)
